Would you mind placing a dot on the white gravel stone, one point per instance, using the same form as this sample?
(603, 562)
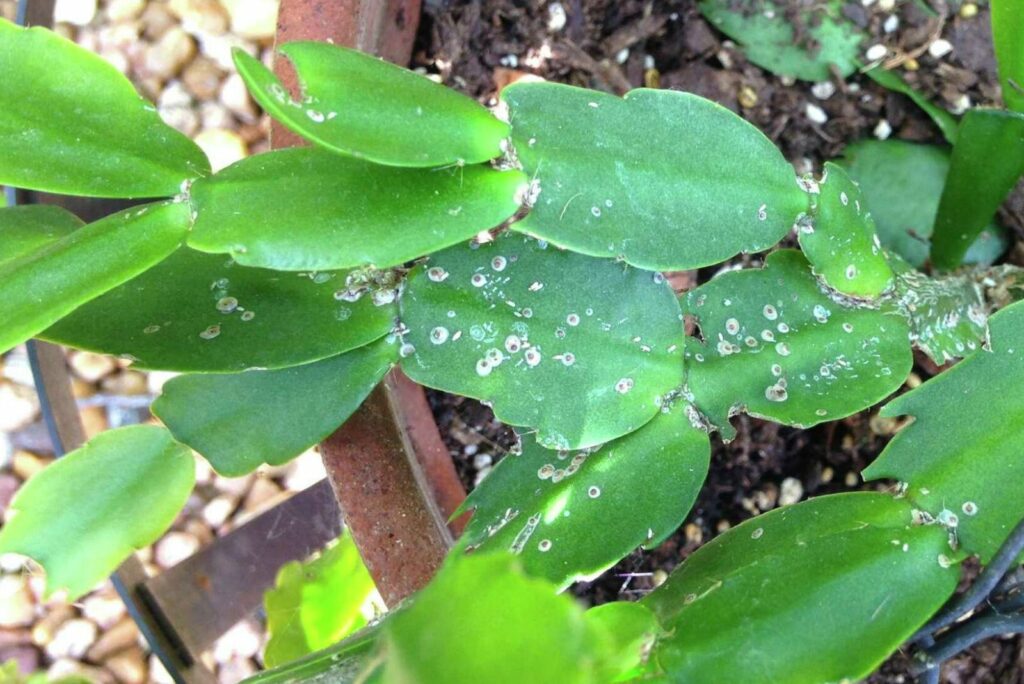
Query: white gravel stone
(73, 639)
(876, 52)
(823, 90)
(940, 48)
(17, 607)
(175, 547)
(883, 129)
(77, 12)
(815, 113)
(790, 491)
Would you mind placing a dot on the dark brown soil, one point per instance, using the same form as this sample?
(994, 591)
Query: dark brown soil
(470, 43)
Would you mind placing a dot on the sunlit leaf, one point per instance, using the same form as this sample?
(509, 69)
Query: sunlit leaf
(961, 454)
(821, 591)
(40, 287)
(84, 514)
(309, 209)
(570, 515)
(662, 179)
(581, 349)
(203, 312)
(316, 603)
(71, 123)
(365, 107)
(239, 421)
(30, 227)
(776, 346)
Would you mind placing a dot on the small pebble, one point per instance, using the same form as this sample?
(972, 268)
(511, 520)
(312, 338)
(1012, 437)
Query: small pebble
(968, 10)
(892, 23)
(823, 90)
(816, 114)
(940, 48)
(883, 129)
(876, 52)
(790, 491)
(556, 17)
(747, 97)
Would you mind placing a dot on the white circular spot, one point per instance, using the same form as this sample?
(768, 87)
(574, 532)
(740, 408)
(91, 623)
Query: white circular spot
(439, 335)
(573, 319)
(478, 280)
(513, 344)
(210, 332)
(227, 304)
(532, 357)
(624, 385)
(499, 263)
(437, 274)
(544, 545)
(770, 312)
(483, 368)
(594, 491)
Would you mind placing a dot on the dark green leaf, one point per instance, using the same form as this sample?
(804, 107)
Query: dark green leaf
(202, 312)
(581, 349)
(28, 228)
(901, 184)
(306, 208)
(70, 123)
(570, 515)
(822, 591)
(1008, 37)
(826, 39)
(840, 242)
(946, 122)
(316, 603)
(987, 160)
(40, 287)
(779, 348)
(697, 187)
(365, 107)
(240, 420)
(961, 454)
(83, 515)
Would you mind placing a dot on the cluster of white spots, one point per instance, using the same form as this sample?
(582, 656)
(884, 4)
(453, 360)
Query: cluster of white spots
(524, 534)
(210, 333)
(821, 314)
(499, 263)
(770, 312)
(624, 385)
(776, 392)
(437, 274)
(439, 335)
(348, 295)
(758, 533)
(969, 508)
(593, 491)
(573, 319)
(478, 280)
(725, 347)
(384, 296)
(762, 212)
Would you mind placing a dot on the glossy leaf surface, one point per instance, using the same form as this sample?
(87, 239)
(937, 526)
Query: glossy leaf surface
(359, 105)
(901, 184)
(961, 454)
(987, 160)
(28, 228)
(84, 514)
(71, 123)
(570, 515)
(239, 421)
(774, 345)
(1007, 35)
(316, 603)
(699, 186)
(202, 312)
(40, 287)
(764, 28)
(840, 240)
(946, 122)
(310, 209)
(821, 591)
(581, 349)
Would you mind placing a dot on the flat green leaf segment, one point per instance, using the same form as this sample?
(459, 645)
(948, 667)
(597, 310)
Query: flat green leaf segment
(198, 312)
(362, 106)
(990, 146)
(764, 29)
(961, 454)
(28, 228)
(701, 186)
(948, 315)
(83, 515)
(901, 184)
(447, 633)
(579, 348)
(40, 287)
(630, 630)
(782, 597)
(239, 421)
(839, 239)
(570, 515)
(71, 123)
(892, 80)
(316, 603)
(309, 209)
(1007, 20)
(776, 346)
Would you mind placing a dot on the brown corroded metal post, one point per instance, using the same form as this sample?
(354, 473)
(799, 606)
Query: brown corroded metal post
(391, 472)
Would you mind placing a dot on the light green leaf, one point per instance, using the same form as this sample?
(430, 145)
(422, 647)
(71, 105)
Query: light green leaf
(316, 603)
(821, 591)
(570, 515)
(1007, 22)
(840, 242)
(71, 123)
(946, 122)
(826, 40)
(987, 160)
(901, 184)
(40, 287)
(240, 420)
(202, 312)
(30, 227)
(581, 349)
(306, 208)
(631, 629)
(961, 454)
(359, 105)
(697, 187)
(84, 514)
(776, 346)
